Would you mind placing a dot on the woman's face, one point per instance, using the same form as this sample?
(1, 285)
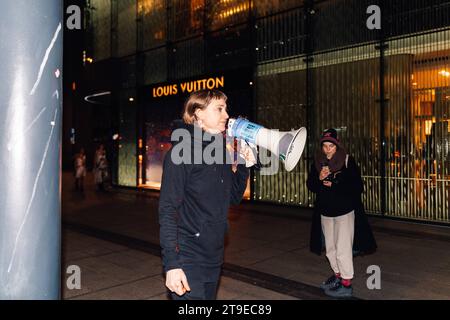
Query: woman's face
(329, 148)
(213, 118)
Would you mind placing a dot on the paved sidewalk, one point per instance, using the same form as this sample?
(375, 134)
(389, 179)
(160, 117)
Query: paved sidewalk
(110, 271)
(272, 241)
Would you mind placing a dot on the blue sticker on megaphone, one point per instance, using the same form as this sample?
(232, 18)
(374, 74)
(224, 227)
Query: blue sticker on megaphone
(246, 130)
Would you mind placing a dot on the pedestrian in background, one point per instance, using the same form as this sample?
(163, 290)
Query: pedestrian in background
(80, 170)
(100, 168)
(339, 218)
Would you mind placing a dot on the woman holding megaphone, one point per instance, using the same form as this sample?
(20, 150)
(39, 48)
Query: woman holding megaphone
(195, 198)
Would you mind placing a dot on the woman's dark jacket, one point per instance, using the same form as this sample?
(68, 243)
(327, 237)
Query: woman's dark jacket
(342, 197)
(194, 202)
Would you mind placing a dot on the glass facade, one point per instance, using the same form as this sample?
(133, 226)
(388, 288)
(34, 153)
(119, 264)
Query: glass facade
(305, 63)
(126, 27)
(100, 32)
(127, 148)
(408, 177)
(187, 59)
(227, 12)
(152, 24)
(417, 128)
(186, 18)
(280, 35)
(155, 66)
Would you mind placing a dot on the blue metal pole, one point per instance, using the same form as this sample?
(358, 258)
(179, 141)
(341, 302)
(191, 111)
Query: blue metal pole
(31, 34)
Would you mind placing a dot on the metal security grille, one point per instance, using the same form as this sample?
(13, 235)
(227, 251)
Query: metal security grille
(341, 23)
(155, 64)
(414, 16)
(344, 93)
(280, 35)
(398, 133)
(186, 59)
(268, 7)
(282, 105)
(345, 98)
(317, 65)
(417, 130)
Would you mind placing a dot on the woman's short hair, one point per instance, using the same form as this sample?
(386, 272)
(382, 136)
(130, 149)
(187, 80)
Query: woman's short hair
(200, 100)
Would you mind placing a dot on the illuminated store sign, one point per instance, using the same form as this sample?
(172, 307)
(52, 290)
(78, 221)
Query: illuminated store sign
(188, 87)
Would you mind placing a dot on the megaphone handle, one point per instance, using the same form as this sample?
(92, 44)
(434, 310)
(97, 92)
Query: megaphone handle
(257, 165)
(251, 145)
(254, 150)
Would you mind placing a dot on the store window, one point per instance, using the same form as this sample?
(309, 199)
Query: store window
(157, 143)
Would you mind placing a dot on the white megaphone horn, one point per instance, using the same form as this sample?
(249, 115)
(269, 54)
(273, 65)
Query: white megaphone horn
(287, 145)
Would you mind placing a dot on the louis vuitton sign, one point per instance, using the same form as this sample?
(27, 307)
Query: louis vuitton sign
(188, 87)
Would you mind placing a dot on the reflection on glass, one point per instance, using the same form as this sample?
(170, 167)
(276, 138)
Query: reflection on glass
(156, 146)
(158, 143)
(228, 12)
(186, 18)
(153, 17)
(266, 7)
(101, 29)
(126, 35)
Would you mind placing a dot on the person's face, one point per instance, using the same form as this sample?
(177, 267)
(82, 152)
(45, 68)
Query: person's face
(329, 148)
(213, 118)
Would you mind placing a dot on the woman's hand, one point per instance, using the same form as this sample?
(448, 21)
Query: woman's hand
(249, 153)
(177, 282)
(325, 172)
(327, 183)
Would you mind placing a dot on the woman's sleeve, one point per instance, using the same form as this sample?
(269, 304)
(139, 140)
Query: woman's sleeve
(238, 184)
(313, 182)
(170, 200)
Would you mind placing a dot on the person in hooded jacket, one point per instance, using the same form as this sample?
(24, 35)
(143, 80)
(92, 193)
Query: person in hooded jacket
(196, 193)
(339, 222)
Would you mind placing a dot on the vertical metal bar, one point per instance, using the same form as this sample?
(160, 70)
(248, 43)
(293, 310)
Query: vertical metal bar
(114, 28)
(30, 144)
(253, 63)
(204, 36)
(138, 69)
(309, 45)
(382, 47)
(168, 46)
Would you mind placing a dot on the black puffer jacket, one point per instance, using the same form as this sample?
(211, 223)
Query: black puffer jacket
(193, 206)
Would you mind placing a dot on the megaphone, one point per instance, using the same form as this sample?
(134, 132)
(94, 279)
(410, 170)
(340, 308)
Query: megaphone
(287, 145)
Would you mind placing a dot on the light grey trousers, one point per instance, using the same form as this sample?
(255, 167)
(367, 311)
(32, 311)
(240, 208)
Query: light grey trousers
(338, 233)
